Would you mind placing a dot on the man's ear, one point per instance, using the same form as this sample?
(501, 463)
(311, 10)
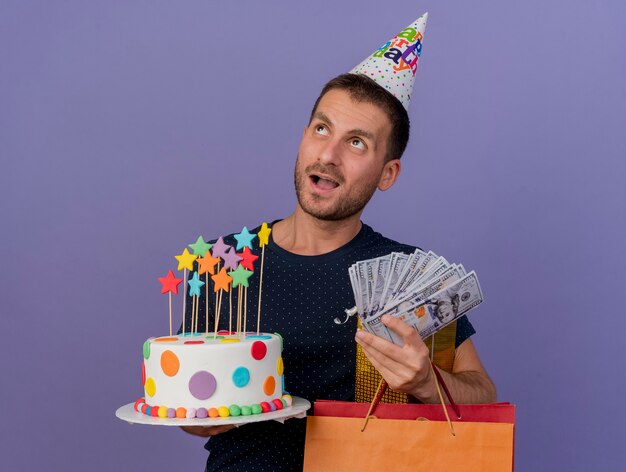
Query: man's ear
(390, 174)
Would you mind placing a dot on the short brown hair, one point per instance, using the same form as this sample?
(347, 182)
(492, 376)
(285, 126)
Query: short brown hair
(364, 89)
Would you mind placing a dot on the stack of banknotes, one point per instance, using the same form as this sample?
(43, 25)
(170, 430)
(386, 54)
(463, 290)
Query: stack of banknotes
(422, 289)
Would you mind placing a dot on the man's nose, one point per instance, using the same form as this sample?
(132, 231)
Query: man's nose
(331, 152)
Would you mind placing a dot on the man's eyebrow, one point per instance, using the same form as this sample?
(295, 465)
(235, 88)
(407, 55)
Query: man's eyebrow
(320, 115)
(362, 132)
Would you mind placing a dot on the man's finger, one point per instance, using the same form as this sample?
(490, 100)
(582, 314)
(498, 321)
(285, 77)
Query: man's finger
(388, 348)
(388, 368)
(408, 334)
(382, 358)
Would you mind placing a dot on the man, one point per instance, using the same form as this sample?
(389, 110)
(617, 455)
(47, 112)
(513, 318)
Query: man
(351, 146)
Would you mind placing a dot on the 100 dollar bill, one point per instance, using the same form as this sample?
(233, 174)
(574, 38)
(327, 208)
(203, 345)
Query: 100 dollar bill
(434, 312)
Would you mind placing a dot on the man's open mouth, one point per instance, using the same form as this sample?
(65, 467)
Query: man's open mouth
(323, 182)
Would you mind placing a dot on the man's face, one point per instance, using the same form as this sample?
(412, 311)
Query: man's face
(341, 158)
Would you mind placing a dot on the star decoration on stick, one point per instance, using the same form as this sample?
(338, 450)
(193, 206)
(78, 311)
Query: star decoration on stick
(247, 258)
(207, 263)
(221, 281)
(220, 248)
(170, 283)
(231, 259)
(200, 247)
(244, 238)
(264, 235)
(240, 276)
(194, 285)
(185, 260)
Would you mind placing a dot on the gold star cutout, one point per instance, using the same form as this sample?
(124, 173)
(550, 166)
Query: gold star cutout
(264, 235)
(185, 260)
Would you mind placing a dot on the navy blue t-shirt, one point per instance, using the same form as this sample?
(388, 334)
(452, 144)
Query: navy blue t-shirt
(301, 297)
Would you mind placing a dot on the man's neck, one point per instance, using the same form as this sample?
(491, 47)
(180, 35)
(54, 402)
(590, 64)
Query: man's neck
(303, 234)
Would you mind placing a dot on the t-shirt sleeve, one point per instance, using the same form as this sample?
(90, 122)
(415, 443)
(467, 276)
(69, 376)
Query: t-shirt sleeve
(464, 330)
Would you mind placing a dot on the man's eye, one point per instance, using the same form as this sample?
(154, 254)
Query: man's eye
(357, 143)
(321, 129)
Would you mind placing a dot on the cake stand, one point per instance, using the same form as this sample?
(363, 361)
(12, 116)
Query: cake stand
(297, 409)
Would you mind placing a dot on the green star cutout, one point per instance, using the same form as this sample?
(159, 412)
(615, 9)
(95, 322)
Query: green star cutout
(200, 247)
(240, 276)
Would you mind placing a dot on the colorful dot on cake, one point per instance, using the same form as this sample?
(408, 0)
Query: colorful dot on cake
(260, 336)
(194, 342)
(154, 411)
(225, 333)
(171, 413)
(150, 387)
(258, 350)
(234, 410)
(241, 377)
(162, 412)
(165, 340)
(144, 408)
(138, 403)
(278, 403)
(213, 413)
(169, 363)
(246, 411)
(280, 368)
(143, 373)
(202, 413)
(256, 409)
(181, 412)
(191, 413)
(269, 385)
(229, 340)
(223, 411)
(265, 407)
(146, 349)
(202, 385)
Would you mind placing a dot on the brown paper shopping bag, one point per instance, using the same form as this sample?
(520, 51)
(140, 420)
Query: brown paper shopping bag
(347, 436)
(336, 443)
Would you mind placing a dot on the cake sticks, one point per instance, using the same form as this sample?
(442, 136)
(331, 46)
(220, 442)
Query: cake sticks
(206, 266)
(229, 267)
(185, 261)
(170, 284)
(264, 236)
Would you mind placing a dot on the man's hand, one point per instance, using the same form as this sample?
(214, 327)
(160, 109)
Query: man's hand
(405, 369)
(207, 431)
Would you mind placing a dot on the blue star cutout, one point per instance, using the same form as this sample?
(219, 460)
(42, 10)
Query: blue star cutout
(194, 285)
(244, 238)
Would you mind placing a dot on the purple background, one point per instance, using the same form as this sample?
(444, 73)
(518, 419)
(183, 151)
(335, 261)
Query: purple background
(128, 128)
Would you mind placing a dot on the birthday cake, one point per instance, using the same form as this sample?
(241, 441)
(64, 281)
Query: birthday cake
(201, 376)
(214, 373)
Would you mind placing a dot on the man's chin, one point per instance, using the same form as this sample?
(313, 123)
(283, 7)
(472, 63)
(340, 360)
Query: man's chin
(327, 213)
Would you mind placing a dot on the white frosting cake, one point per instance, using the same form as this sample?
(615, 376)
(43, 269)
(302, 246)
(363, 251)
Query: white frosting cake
(202, 375)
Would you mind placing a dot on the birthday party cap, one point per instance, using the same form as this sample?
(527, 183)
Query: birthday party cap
(394, 64)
